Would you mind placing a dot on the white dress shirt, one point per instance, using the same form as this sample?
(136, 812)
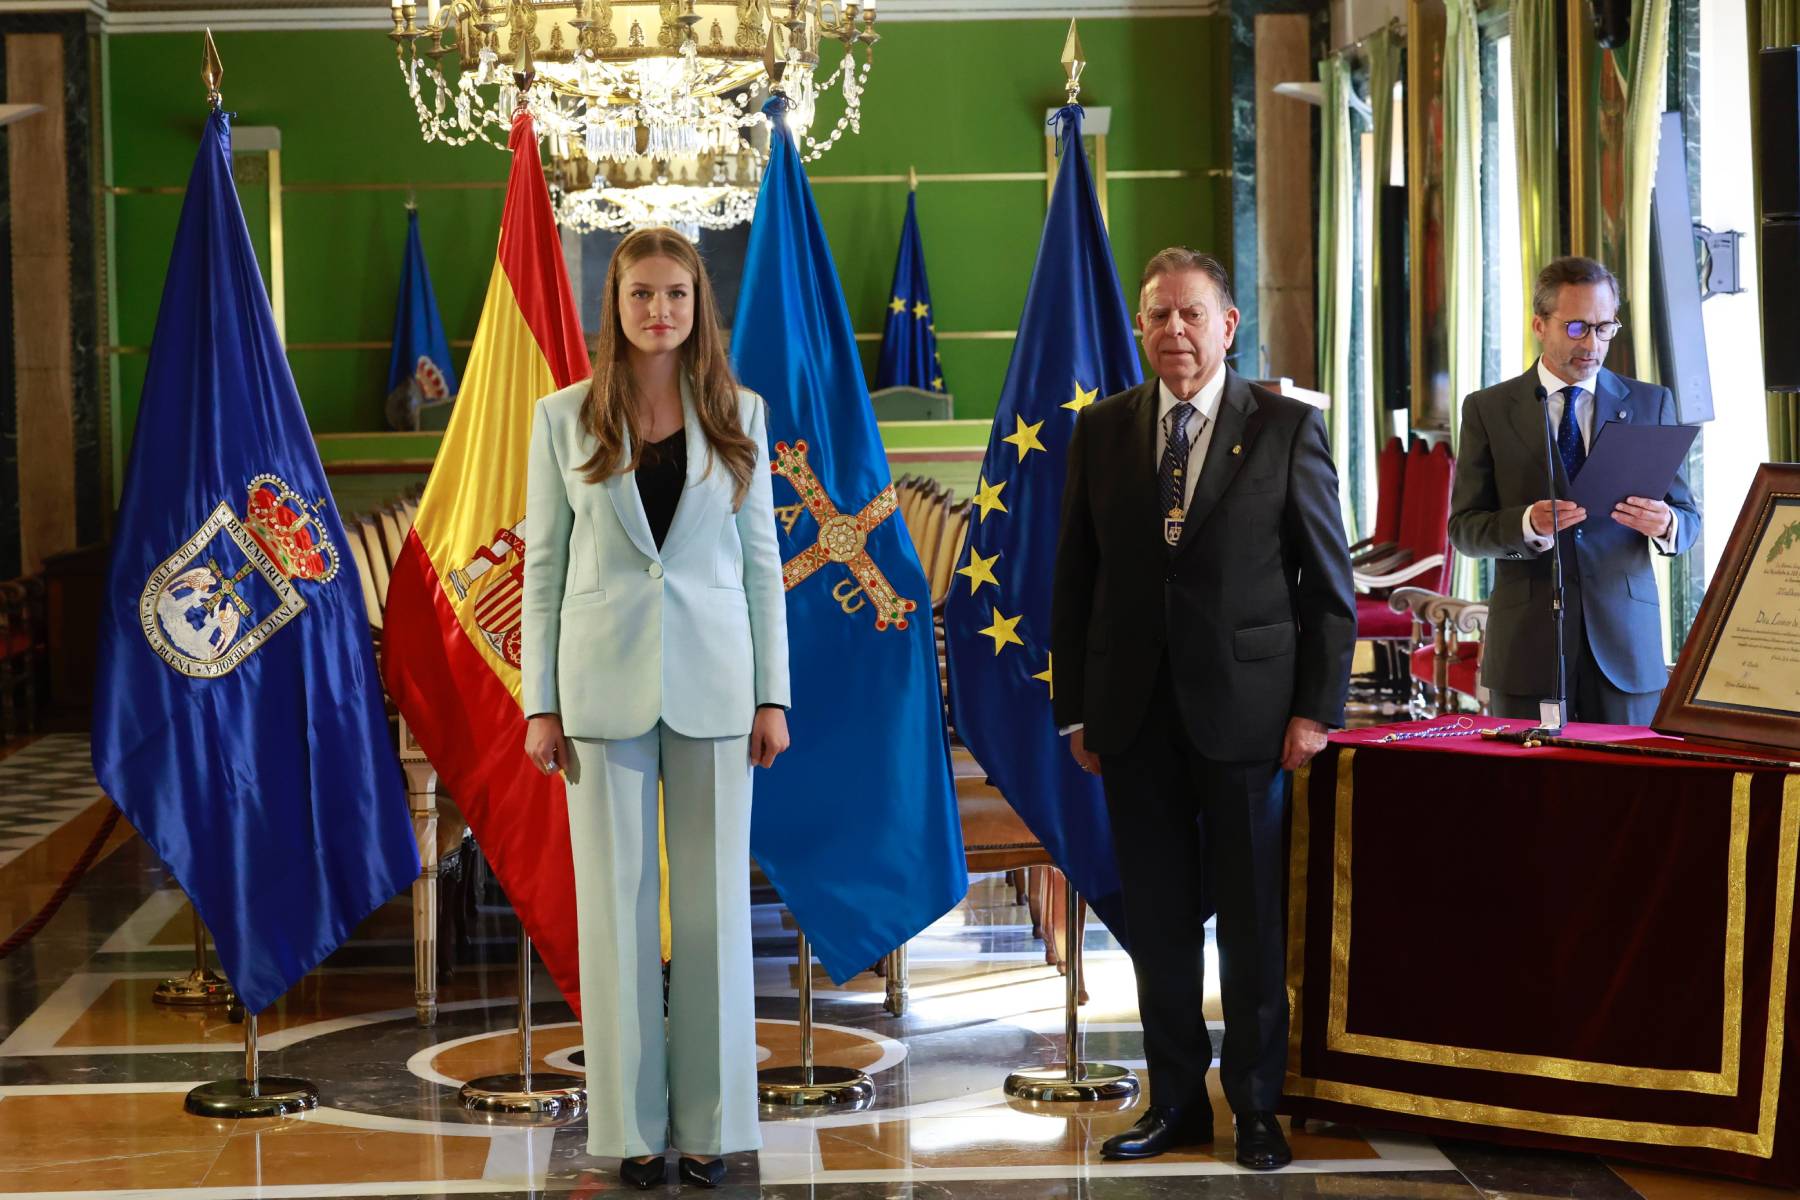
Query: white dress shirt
(1554, 390)
(1203, 408)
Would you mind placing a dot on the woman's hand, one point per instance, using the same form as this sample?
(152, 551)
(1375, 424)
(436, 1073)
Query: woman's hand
(768, 736)
(545, 745)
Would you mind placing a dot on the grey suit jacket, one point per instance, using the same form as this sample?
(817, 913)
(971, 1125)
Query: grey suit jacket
(1610, 593)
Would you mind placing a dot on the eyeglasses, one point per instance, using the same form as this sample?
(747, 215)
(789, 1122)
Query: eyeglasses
(1604, 330)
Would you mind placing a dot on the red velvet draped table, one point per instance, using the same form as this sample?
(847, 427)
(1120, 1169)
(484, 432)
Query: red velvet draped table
(1548, 947)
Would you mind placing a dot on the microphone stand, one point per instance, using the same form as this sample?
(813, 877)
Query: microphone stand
(1553, 713)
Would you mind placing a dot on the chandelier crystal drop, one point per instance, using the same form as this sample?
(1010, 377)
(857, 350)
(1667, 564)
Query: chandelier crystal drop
(688, 193)
(623, 81)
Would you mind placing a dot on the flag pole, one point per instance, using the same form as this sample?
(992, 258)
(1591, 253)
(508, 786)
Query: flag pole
(1075, 1082)
(200, 986)
(533, 1095)
(254, 1095)
(810, 1085)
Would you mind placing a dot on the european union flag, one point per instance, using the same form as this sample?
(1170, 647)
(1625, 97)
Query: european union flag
(909, 356)
(1075, 345)
(238, 719)
(420, 371)
(856, 825)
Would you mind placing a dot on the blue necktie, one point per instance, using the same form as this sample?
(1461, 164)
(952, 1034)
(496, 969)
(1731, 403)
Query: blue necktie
(1172, 475)
(1568, 435)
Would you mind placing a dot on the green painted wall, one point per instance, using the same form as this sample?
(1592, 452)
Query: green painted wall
(946, 98)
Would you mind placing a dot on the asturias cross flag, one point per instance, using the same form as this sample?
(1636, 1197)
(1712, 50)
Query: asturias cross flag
(238, 719)
(909, 356)
(1075, 345)
(856, 825)
(452, 655)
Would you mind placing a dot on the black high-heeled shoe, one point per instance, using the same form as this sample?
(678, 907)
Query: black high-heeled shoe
(643, 1175)
(706, 1173)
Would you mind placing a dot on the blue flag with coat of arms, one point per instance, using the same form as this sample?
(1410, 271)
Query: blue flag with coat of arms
(1075, 345)
(419, 370)
(238, 718)
(909, 356)
(856, 824)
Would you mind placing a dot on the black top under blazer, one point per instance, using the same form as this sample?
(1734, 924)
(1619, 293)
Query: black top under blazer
(1254, 609)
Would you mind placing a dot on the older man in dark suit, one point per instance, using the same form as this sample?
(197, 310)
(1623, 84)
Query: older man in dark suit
(1613, 652)
(1203, 627)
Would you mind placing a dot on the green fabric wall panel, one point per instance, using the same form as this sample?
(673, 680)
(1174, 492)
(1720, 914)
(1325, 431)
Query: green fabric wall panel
(950, 98)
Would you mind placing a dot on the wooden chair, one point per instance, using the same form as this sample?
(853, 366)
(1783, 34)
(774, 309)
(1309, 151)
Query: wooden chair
(1390, 477)
(24, 655)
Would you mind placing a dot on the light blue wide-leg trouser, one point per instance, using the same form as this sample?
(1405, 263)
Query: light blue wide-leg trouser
(694, 1084)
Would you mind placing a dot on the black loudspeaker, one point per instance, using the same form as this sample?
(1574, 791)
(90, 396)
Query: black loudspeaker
(1612, 22)
(1781, 305)
(1779, 154)
(1675, 282)
(1396, 306)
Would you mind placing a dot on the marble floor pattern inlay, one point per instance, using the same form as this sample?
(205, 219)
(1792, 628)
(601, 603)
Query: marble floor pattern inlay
(92, 1073)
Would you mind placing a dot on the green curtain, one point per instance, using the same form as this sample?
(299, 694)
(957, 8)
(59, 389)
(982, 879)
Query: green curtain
(1464, 285)
(1646, 97)
(1778, 24)
(1336, 274)
(1535, 24)
(1384, 51)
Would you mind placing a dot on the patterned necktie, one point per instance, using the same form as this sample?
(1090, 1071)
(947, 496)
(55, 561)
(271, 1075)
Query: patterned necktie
(1568, 435)
(1172, 475)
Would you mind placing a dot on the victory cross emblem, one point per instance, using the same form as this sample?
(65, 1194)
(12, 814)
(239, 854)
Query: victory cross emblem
(230, 574)
(842, 538)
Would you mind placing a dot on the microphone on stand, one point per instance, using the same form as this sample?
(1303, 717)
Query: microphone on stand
(1553, 713)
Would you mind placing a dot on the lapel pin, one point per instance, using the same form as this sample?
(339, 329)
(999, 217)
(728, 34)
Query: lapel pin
(1237, 449)
(1621, 414)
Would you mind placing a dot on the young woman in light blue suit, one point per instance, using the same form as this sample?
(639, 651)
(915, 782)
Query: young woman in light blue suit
(655, 648)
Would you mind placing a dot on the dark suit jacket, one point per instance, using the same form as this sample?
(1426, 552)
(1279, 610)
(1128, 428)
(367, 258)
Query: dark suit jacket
(1608, 586)
(1254, 608)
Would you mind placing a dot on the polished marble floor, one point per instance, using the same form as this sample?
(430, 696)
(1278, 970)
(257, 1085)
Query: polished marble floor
(92, 1073)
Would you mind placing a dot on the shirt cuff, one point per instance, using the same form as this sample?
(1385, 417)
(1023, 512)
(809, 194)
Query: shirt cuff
(1066, 730)
(1533, 539)
(1666, 543)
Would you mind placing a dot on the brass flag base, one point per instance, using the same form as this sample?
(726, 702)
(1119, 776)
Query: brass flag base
(798, 1087)
(807, 1085)
(1075, 1082)
(549, 1097)
(200, 987)
(1096, 1082)
(235, 1099)
(531, 1096)
(255, 1095)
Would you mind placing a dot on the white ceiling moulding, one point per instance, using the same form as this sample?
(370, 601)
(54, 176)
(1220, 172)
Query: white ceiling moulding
(175, 16)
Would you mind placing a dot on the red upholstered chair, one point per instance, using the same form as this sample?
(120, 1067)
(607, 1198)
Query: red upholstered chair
(1422, 557)
(1443, 652)
(1390, 483)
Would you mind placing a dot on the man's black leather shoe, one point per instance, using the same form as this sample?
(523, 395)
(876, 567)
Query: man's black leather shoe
(1260, 1145)
(1163, 1127)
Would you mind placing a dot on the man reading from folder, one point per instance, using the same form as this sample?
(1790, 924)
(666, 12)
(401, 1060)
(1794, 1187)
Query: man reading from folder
(1614, 664)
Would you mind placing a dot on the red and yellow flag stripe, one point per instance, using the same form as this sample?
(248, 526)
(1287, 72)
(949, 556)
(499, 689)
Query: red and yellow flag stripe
(451, 659)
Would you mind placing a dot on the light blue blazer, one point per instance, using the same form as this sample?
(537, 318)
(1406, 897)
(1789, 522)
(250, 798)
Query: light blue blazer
(617, 634)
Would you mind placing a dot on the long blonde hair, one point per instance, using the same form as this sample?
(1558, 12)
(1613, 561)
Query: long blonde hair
(610, 411)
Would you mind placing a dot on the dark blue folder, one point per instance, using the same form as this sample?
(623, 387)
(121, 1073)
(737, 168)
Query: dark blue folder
(1630, 460)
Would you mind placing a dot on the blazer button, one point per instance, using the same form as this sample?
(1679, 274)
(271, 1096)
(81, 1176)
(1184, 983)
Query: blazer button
(656, 570)
(1169, 578)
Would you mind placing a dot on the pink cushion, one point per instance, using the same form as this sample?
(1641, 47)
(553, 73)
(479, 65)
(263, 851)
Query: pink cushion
(1374, 619)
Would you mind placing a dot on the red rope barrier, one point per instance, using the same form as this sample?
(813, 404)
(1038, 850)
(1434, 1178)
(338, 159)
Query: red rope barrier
(30, 929)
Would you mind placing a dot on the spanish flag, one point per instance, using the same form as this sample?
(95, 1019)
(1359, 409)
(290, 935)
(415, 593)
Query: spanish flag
(451, 660)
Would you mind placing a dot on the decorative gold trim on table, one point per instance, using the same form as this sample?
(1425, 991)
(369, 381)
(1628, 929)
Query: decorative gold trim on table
(1760, 1144)
(1723, 1082)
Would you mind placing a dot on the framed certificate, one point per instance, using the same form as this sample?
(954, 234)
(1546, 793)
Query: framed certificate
(1738, 678)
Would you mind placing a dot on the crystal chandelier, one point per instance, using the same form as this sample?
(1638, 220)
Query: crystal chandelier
(689, 194)
(617, 81)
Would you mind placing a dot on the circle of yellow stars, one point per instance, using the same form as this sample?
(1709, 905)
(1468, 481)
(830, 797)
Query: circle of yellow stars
(922, 310)
(979, 569)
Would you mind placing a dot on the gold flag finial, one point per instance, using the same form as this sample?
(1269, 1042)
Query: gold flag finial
(912, 179)
(212, 71)
(1073, 60)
